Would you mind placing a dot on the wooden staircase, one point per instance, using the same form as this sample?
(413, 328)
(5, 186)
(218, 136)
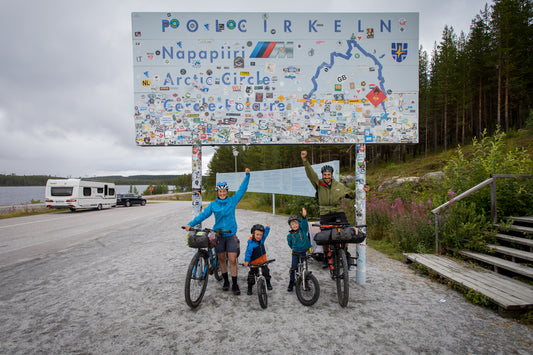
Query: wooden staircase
(514, 251)
(513, 255)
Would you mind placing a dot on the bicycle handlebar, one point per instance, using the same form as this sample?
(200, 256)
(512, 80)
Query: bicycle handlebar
(331, 226)
(219, 231)
(261, 264)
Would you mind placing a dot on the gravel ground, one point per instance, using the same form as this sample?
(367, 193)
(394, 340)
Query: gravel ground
(122, 293)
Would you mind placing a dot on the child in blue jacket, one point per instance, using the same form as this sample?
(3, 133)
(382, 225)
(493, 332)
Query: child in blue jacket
(256, 254)
(298, 241)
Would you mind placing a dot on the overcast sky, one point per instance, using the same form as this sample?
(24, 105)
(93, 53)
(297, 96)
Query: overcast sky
(66, 82)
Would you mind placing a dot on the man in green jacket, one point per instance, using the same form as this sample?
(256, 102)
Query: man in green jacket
(330, 194)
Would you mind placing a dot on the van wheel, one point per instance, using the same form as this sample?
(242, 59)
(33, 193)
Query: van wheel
(127, 204)
(99, 207)
(73, 209)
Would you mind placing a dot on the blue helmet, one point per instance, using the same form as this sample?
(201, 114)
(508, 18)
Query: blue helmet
(222, 185)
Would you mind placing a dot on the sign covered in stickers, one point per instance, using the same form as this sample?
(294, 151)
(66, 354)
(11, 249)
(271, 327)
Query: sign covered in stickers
(275, 78)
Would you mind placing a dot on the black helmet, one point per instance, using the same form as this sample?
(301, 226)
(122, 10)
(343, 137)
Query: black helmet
(293, 218)
(326, 168)
(258, 227)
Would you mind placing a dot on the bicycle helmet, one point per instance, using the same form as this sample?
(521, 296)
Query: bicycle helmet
(326, 168)
(293, 218)
(222, 185)
(257, 227)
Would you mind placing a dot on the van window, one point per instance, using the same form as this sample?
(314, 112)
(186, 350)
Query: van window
(61, 191)
(100, 190)
(86, 191)
(111, 191)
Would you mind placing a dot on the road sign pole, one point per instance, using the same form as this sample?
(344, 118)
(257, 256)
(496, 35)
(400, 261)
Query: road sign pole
(360, 211)
(196, 180)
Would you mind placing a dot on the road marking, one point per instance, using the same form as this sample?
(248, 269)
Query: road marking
(25, 223)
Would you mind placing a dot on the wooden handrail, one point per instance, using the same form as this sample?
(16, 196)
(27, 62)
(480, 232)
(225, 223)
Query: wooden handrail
(493, 209)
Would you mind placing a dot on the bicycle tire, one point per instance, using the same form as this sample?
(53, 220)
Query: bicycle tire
(342, 278)
(309, 293)
(216, 266)
(196, 280)
(262, 292)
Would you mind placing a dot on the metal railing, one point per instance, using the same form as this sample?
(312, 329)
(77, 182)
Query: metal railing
(493, 204)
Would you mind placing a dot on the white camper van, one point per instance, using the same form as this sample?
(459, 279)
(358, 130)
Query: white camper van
(79, 194)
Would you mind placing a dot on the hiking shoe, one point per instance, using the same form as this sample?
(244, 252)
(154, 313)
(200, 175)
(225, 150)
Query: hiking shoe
(235, 289)
(291, 285)
(269, 286)
(225, 286)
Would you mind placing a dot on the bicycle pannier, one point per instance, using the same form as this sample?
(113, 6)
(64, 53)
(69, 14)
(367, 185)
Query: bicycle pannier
(323, 237)
(347, 235)
(198, 239)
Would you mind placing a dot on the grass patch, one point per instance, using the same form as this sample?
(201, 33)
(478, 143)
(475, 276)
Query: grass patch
(29, 212)
(386, 248)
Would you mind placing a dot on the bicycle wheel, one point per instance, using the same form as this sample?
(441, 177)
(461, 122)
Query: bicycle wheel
(196, 280)
(262, 292)
(309, 291)
(341, 270)
(216, 268)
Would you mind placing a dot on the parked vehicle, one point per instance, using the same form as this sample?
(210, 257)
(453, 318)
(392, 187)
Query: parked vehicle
(130, 199)
(79, 194)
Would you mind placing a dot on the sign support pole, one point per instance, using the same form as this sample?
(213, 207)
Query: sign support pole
(360, 211)
(196, 180)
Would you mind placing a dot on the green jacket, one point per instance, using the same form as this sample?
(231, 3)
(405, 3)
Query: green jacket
(329, 196)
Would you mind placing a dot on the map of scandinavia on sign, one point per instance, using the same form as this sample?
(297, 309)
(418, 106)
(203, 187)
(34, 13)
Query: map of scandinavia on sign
(275, 78)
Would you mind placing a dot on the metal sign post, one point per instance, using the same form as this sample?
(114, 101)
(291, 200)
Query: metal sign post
(360, 211)
(196, 180)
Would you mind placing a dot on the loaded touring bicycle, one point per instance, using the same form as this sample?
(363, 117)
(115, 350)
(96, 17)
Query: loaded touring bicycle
(79, 194)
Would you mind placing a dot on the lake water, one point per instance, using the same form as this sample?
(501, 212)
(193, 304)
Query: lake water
(25, 194)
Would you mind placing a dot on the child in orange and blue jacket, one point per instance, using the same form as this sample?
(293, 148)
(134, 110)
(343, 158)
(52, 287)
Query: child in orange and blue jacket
(299, 242)
(256, 254)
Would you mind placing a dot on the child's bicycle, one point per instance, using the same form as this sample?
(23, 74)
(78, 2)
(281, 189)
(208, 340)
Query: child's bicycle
(261, 282)
(203, 263)
(306, 284)
(340, 235)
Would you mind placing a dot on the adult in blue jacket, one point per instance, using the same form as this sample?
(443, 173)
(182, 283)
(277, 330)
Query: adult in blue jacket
(224, 210)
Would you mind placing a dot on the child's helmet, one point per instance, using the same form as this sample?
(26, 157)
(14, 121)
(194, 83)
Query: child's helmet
(294, 218)
(258, 227)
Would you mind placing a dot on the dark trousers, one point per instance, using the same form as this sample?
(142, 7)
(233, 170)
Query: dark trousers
(296, 255)
(334, 218)
(254, 271)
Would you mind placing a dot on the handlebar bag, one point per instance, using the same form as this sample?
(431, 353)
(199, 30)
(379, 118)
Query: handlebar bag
(347, 235)
(199, 239)
(323, 237)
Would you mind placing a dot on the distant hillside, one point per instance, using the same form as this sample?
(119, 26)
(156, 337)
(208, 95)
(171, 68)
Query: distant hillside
(40, 180)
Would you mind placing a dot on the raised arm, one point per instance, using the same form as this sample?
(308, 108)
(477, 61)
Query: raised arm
(311, 174)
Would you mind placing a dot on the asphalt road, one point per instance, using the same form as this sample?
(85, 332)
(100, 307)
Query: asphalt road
(27, 238)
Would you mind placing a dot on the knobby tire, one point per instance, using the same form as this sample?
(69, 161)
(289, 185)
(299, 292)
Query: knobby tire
(262, 292)
(217, 272)
(342, 278)
(307, 294)
(196, 280)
